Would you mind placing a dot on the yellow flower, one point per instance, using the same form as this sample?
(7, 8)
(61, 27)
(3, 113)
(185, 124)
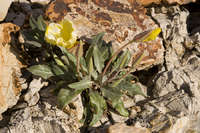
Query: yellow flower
(152, 35)
(61, 34)
(148, 35)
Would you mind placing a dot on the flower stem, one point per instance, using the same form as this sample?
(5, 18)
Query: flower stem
(114, 55)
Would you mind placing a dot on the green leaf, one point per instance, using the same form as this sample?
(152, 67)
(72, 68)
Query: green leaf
(33, 22)
(106, 50)
(117, 82)
(131, 88)
(98, 61)
(94, 75)
(41, 24)
(97, 40)
(90, 66)
(125, 59)
(65, 60)
(89, 59)
(34, 43)
(114, 96)
(65, 96)
(98, 105)
(57, 71)
(119, 106)
(83, 65)
(41, 70)
(83, 84)
(57, 60)
(71, 57)
(122, 61)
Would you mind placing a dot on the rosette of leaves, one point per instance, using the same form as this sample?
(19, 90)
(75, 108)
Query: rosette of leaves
(100, 76)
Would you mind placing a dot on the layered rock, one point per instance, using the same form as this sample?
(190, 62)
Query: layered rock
(10, 82)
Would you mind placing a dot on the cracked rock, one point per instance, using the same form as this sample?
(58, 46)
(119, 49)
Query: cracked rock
(11, 83)
(41, 118)
(32, 96)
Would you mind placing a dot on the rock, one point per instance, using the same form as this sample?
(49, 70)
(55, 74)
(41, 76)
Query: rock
(148, 2)
(185, 78)
(42, 2)
(11, 84)
(122, 128)
(6, 29)
(4, 6)
(118, 118)
(32, 96)
(181, 2)
(160, 114)
(120, 20)
(196, 40)
(41, 118)
(186, 125)
(174, 33)
(180, 70)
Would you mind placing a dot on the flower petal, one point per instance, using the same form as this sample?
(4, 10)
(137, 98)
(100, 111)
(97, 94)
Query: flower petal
(61, 34)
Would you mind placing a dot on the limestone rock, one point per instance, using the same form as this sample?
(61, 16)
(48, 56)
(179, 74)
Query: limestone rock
(32, 96)
(4, 6)
(41, 118)
(43, 2)
(10, 81)
(174, 33)
(181, 2)
(148, 2)
(121, 20)
(122, 128)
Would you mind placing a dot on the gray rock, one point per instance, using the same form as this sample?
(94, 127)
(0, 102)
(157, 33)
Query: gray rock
(186, 78)
(32, 96)
(122, 128)
(41, 118)
(172, 20)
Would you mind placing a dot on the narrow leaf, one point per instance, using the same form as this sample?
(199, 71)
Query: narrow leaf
(89, 59)
(98, 61)
(94, 75)
(131, 88)
(41, 24)
(33, 22)
(57, 60)
(90, 66)
(114, 96)
(83, 84)
(122, 60)
(71, 57)
(98, 105)
(83, 65)
(57, 71)
(97, 40)
(41, 70)
(65, 96)
(125, 60)
(121, 109)
(34, 43)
